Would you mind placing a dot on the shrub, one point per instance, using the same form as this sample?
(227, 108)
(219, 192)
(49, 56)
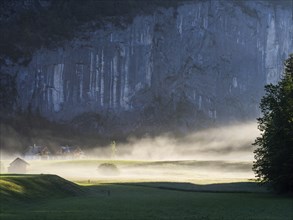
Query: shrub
(108, 169)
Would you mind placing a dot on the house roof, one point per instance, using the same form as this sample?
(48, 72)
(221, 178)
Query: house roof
(19, 161)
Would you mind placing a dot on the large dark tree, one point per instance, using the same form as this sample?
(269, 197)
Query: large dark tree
(274, 154)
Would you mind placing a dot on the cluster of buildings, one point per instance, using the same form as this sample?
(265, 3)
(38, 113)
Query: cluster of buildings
(43, 153)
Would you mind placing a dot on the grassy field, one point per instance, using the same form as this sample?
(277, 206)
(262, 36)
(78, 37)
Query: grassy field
(136, 170)
(51, 197)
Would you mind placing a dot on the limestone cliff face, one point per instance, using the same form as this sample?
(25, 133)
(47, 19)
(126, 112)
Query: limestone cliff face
(203, 62)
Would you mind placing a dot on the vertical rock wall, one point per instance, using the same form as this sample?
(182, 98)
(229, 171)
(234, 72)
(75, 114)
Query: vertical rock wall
(203, 60)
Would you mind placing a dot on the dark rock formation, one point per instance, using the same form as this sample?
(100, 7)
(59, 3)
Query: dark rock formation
(178, 69)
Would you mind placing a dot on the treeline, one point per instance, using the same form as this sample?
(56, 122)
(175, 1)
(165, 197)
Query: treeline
(50, 26)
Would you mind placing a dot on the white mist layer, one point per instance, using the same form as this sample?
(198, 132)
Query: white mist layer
(231, 143)
(219, 153)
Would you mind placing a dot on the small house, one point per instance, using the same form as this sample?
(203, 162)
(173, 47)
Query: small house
(2, 168)
(70, 152)
(64, 152)
(18, 166)
(37, 152)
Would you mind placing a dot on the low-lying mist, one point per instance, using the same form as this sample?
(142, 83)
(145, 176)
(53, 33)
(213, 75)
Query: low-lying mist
(223, 143)
(217, 153)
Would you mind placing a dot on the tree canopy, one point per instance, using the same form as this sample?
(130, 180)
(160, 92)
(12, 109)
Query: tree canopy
(274, 155)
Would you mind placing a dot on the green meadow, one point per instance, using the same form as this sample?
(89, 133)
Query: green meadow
(52, 197)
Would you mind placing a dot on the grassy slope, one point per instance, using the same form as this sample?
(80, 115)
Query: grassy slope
(27, 187)
(131, 201)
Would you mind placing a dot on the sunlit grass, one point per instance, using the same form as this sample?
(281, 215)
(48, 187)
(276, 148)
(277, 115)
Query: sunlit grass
(95, 181)
(140, 169)
(10, 186)
(21, 186)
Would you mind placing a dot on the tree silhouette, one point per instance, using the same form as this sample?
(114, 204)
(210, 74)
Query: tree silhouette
(274, 156)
